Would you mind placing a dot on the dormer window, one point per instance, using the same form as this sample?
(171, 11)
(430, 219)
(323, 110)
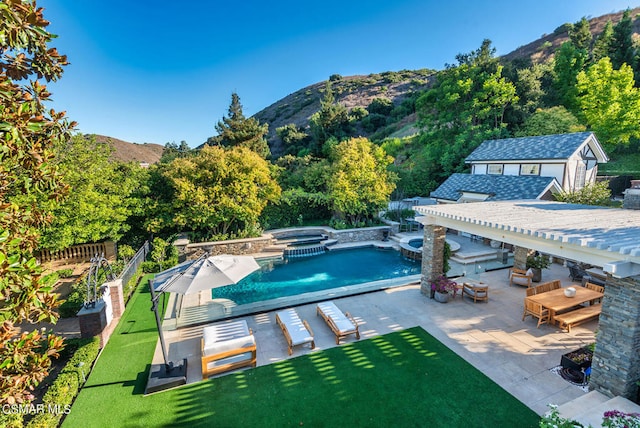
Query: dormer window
(530, 169)
(495, 169)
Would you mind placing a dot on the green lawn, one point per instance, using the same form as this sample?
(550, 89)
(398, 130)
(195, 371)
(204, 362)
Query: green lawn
(406, 378)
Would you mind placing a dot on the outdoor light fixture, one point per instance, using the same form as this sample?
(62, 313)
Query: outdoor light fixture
(80, 365)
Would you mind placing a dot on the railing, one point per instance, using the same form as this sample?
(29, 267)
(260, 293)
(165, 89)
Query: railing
(135, 262)
(78, 253)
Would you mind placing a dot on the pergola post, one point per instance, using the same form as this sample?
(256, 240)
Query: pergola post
(432, 253)
(520, 257)
(615, 369)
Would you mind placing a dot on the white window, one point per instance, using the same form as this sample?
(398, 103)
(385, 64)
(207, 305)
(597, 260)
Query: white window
(531, 169)
(581, 174)
(495, 169)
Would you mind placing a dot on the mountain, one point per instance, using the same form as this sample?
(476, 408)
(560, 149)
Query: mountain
(350, 91)
(127, 152)
(358, 91)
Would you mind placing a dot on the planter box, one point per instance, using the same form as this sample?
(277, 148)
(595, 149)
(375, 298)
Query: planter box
(567, 362)
(442, 297)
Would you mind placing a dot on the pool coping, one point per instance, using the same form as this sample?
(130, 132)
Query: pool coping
(187, 311)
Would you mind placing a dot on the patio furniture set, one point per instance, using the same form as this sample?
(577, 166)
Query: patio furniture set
(567, 306)
(229, 346)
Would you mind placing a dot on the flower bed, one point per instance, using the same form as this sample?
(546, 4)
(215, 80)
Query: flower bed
(577, 360)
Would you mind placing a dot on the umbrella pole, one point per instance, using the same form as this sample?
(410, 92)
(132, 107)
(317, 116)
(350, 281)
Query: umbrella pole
(154, 307)
(167, 375)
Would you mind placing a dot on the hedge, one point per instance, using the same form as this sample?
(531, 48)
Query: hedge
(68, 383)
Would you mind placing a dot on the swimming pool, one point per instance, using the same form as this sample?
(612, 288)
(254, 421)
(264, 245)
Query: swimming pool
(333, 269)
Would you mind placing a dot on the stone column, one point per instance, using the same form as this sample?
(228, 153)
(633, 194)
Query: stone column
(616, 362)
(117, 297)
(432, 252)
(520, 257)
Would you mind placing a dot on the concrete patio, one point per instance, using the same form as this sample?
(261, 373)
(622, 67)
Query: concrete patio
(490, 335)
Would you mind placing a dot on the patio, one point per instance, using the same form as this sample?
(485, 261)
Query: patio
(491, 336)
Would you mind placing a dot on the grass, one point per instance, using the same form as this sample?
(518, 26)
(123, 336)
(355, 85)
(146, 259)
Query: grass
(406, 378)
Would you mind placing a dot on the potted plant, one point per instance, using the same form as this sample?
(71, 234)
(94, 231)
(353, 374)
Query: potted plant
(536, 263)
(441, 287)
(579, 359)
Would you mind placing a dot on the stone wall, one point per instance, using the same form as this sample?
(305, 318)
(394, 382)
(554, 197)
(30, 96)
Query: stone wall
(234, 246)
(432, 260)
(358, 235)
(631, 199)
(615, 369)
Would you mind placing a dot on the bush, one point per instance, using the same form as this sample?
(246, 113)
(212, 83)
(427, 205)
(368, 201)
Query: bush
(74, 301)
(65, 273)
(65, 388)
(150, 267)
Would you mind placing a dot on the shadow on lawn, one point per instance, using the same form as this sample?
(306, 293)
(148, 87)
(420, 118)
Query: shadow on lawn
(405, 378)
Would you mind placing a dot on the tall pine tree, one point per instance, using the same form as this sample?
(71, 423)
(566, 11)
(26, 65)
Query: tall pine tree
(237, 130)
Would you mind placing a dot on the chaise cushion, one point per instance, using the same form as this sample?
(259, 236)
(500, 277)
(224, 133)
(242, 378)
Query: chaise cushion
(225, 337)
(295, 327)
(330, 310)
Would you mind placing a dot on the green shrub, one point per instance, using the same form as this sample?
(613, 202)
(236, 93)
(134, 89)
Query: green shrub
(150, 267)
(11, 420)
(65, 388)
(74, 301)
(65, 273)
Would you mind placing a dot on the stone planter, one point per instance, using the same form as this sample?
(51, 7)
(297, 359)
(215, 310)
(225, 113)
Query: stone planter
(537, 275)
(441, 297)
(577, 360)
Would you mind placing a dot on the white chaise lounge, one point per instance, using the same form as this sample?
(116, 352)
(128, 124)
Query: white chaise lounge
(227, 346)
(296, 331)
(342, 324)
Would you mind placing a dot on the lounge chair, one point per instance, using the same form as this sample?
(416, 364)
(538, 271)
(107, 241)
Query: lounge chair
(342, 325)
(520, 277)
(227, 346)
(296, 331)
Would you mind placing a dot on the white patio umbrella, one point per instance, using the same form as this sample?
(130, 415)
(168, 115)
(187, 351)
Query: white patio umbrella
(204, 273)
(193, 276)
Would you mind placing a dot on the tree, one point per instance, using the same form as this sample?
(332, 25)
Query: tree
(29, 132)
(601, 46)
(220, 193)
(554, 120)
(172, 151)
(331, 121)
(591, 194)
(580, 35)
(361, 183)
(237, 130)
(466, 105)
(568, 62)
(295, 139)
(610, 102)
(621, 48)
(101, 196)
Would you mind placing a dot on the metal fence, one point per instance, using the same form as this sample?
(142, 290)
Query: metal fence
(135, 262)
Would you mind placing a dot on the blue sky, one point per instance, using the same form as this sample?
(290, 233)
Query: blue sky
(164, 71)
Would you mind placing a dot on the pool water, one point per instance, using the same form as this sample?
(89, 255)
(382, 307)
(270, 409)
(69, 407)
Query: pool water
(332, 269)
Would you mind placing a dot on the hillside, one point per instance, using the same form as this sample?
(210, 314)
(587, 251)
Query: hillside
(350, 91)
(359, 91)
(542, 49)
(127, 152)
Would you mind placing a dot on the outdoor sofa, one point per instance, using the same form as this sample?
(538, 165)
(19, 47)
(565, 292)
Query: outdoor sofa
(227, 346)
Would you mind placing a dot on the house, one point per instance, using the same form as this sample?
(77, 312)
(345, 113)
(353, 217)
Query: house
(525, 168)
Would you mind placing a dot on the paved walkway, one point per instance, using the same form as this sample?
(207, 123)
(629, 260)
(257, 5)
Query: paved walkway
(490, 335)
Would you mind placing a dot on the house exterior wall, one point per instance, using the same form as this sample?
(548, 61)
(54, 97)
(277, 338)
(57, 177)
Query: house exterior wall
(553, 170)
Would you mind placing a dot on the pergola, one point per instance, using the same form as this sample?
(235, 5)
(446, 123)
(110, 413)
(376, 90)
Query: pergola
(607, 237)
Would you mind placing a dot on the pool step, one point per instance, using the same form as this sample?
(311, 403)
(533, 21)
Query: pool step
(311, 250)
(468, 257)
